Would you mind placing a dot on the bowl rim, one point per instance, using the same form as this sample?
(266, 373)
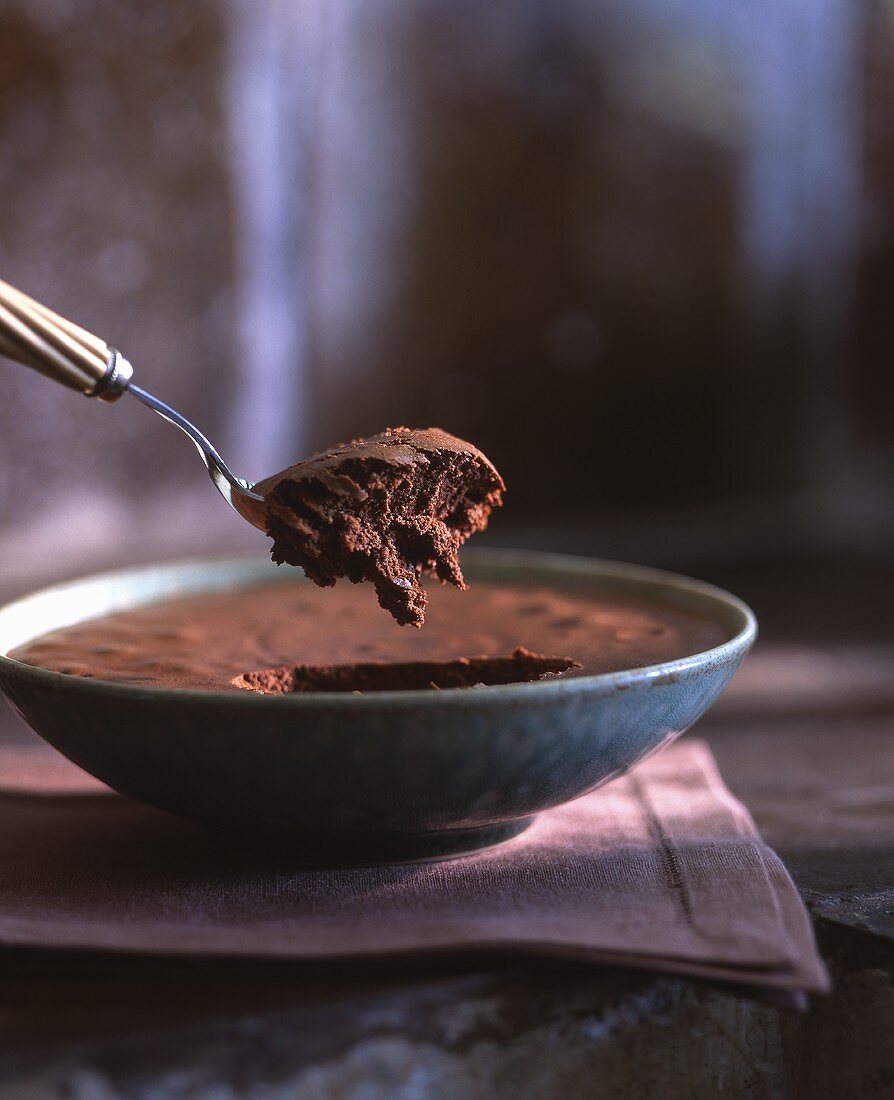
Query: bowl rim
(569, 565)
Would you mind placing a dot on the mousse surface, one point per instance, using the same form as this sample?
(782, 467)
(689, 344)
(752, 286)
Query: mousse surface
(389, 509)
(213, 641)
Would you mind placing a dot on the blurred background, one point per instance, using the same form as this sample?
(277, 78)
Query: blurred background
(640, 251)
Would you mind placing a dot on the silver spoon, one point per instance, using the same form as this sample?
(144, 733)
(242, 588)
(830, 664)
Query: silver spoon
(41, 339)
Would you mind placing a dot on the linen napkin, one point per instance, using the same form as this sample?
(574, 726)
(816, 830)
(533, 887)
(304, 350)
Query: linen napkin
(662, 868)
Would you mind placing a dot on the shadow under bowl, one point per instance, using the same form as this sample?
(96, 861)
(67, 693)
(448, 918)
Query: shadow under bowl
(379, 776)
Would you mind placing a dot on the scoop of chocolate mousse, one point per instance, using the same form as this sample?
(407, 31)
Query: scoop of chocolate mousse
(389, 509)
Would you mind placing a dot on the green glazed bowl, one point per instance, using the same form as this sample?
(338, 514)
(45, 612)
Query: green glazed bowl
(386, 775)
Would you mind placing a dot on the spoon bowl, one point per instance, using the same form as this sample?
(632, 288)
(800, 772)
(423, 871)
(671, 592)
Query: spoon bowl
(236, 492)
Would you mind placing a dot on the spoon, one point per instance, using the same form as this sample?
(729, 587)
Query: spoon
(388, 509)
(41, 339)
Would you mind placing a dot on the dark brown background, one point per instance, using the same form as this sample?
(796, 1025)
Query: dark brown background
(643, 254)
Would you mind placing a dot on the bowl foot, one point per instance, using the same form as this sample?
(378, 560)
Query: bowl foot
(322, 849)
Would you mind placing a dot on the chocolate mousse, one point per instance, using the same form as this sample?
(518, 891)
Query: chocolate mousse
(245, 637)
(389, 509)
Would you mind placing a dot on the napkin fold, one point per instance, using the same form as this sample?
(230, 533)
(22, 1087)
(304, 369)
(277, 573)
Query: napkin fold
(662, 868)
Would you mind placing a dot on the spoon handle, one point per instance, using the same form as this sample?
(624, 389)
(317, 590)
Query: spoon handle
(34, 335)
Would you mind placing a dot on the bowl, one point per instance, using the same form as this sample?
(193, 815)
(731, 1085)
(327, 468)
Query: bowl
(379, 776)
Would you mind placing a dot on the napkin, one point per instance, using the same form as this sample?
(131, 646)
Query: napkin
(662, 868)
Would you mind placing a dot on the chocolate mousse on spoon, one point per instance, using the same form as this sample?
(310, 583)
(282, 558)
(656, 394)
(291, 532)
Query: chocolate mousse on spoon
(390, 509)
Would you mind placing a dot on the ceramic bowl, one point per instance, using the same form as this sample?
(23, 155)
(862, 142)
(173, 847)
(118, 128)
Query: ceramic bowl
(378, 776)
